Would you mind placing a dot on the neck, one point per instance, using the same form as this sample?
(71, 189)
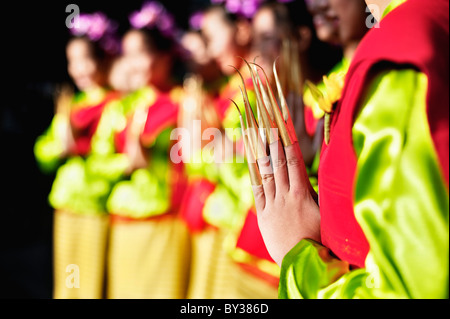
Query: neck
(349, 50)
(377, 7)
(163, 87)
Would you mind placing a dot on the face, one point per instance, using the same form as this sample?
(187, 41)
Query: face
(82, 67)
(119, 75)
(266, 37)
(220, 37)
(195, 45)
(138, 59)
(325, 20)
(351, 17)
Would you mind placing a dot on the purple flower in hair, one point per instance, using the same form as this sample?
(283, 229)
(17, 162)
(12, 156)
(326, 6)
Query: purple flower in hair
(166, 24)
(97, 27)
(249, 7)
(233, 6)
(153, 15)
(195, 21)
(245, 8)
(147, 16)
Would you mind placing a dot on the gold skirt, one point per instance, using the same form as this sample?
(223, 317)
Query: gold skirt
(79, 248)
(214, 275)
(148, 258)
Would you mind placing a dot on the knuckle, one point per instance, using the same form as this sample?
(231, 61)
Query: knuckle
(297, 192)
(277, 163)
(266, 178)
(293, 162)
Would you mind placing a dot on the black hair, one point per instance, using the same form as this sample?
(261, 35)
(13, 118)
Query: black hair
(98, 53)
(158, 42)
(290, 15)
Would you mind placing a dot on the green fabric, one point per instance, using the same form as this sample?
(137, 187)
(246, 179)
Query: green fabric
(391, 6)
(197, 168)
(82, 185)
(221, 209)
(229, 203)
(148, 191)
(231, 121)
(140, 197)
(401, 203)
(48, 147)
(77, 190)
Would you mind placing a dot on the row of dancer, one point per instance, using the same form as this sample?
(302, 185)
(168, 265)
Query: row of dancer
(138, 216)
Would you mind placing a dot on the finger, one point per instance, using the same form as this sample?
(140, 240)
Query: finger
(260, 198)
(298, 177)
(266, 171)
(279, 167)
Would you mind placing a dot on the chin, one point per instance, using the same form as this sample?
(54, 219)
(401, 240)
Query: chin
(227, 69)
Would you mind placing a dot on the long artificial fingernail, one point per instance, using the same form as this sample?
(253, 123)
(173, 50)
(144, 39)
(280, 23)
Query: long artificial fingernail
(284, 108)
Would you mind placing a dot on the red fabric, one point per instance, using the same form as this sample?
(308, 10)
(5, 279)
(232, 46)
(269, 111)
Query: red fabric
(250, 239)
(119, 141)
(178, 184)
(416, 34)
(191, 210)
(310, 121)
(162, 114)
(222, 103)
(85, 121)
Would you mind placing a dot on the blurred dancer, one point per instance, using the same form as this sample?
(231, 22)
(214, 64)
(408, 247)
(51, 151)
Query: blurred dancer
(149, 249)
(198, 113)
(215, 207)
(77, 138)
(381, 229)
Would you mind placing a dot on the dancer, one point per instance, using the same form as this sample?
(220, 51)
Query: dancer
(73, 144)
(149, 248)
(216, 208)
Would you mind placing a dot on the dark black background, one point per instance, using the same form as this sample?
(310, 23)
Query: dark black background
(33, 37)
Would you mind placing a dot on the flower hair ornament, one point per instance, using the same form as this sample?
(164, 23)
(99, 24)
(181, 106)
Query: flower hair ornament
(195, 20)
(244, 8)
(154, 15)
(98, 28)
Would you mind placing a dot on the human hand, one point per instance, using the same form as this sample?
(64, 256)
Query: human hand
(286, 209)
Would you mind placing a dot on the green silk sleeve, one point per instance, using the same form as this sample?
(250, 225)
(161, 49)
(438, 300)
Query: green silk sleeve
(148, 191)
(48, 147)
(401, 202)
(103, 160)
(82, 185)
